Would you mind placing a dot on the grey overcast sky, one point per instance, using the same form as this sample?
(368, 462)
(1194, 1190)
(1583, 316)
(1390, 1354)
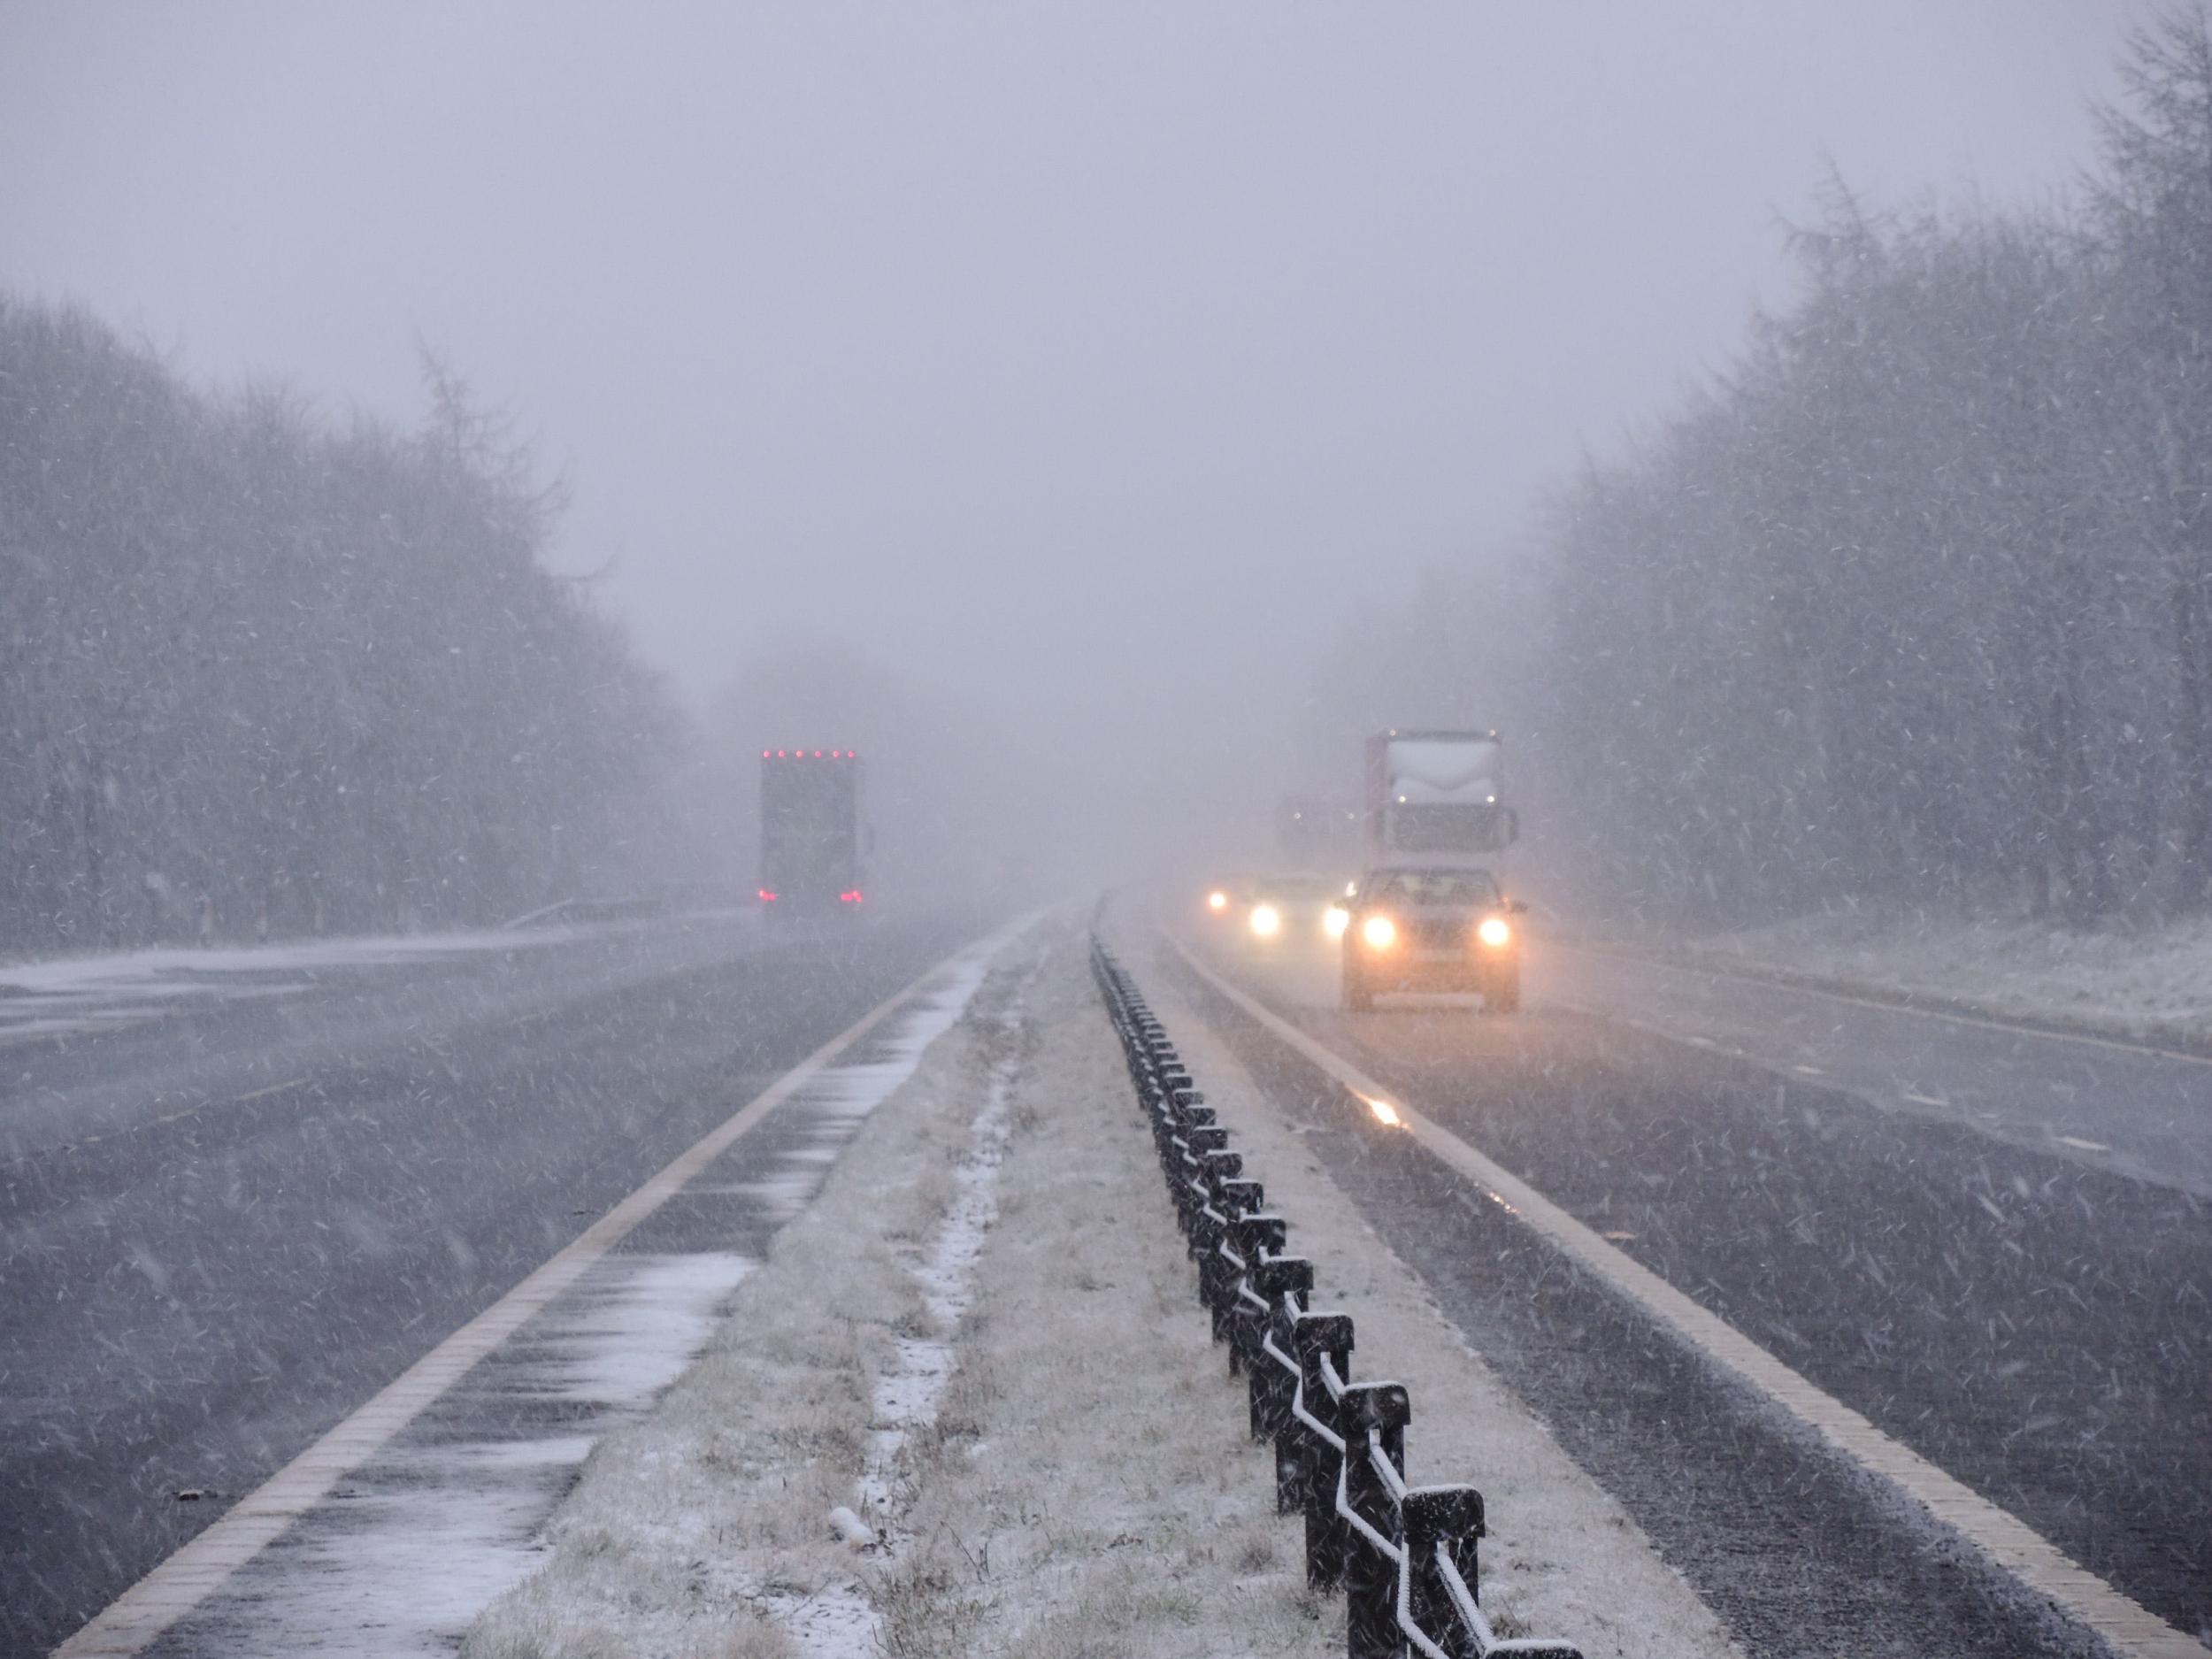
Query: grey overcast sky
(950, 328)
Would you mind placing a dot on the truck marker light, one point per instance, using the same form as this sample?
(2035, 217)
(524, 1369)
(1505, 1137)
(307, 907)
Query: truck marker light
(1493, 932)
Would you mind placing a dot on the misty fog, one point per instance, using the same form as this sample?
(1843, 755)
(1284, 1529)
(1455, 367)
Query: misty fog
(1109, 410)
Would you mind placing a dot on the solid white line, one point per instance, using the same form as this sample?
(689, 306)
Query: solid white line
(134, 1619)
(2129, 1627)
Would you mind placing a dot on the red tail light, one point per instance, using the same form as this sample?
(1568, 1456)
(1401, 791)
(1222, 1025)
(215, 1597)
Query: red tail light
(766, 897)
(849, 898)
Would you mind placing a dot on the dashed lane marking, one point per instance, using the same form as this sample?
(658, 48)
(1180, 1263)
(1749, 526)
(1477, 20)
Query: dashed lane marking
(1918, 1099)
(2079, 1145)
(1807, 1070)
(2125, 1623)
(188, 1577)
(261, 1093)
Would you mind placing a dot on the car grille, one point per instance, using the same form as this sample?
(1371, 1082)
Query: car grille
(1444, 933)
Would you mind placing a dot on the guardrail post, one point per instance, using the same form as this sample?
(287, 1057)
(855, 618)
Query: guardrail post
(1316, 1338)
(1447, 1518)
(1253, 1237)
(1283, 1282)
(1374, 1416)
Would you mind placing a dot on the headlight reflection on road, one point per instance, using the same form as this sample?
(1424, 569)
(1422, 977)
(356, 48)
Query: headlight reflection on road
(1385, 1113)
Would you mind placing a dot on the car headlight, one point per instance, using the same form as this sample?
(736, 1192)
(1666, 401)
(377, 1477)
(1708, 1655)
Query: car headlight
(1267, 921)
(1337, 919)
(1217, 901)
(1493, 931)
(1379, 932)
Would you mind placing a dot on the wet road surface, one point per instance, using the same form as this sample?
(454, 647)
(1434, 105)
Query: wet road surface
(2029, 1314)
(221, 1232)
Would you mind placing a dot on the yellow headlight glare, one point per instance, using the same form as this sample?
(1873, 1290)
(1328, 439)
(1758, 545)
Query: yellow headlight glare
(1267, 921)
(1379, 932)
(1493, 932)
(1335, 921)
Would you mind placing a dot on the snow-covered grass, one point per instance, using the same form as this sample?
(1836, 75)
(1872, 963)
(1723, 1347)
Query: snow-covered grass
(2150, 983)
(1076, 1480)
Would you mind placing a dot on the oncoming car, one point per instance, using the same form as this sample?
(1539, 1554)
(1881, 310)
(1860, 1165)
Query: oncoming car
(1410, 928)
(1227, 902)
(1290, 909)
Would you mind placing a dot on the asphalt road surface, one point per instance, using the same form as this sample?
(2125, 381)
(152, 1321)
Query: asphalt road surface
(1995, 1245)
(222, 1230)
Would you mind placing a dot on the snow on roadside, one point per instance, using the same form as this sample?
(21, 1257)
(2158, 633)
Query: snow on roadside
(63, 994)
(2154, 983)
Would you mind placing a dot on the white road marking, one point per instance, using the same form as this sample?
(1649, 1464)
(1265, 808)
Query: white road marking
(1807, 1070)
(2125, 1623)
(2079, 1145)
(179, 1584)
(273, 1088)
(1919, 1098)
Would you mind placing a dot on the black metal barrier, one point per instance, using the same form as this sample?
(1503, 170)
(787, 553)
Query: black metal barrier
(1404, 1556)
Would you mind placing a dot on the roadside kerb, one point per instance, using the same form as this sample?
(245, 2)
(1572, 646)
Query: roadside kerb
(1404, 1556)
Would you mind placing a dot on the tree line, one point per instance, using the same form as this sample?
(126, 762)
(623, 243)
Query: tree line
(262, 673)
(1914, 602)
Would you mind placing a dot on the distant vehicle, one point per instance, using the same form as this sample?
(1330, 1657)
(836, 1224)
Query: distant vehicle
(1229, 901)
(1431, 928)
(1290, 909)
(1437, 797)
(811, 840)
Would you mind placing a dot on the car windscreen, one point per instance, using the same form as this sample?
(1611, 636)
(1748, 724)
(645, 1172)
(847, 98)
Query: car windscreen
(1301, 889)
(1435, 886)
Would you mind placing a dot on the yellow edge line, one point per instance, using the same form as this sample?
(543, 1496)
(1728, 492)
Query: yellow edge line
(2130, 1628)
(194, 1572)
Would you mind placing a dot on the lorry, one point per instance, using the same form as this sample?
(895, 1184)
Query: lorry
(1436, 798)
(811, 839)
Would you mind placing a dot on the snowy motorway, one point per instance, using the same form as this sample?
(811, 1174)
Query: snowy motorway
(1995, 1245)
(228, 1221)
